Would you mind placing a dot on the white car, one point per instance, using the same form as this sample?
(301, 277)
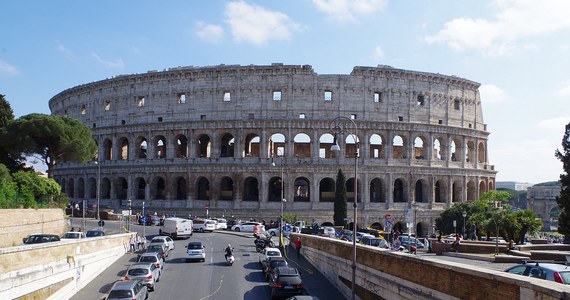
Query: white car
(269, 252)
(248, 227)
(275, 231)
(73, 235)
(167, 241)
(203, 225)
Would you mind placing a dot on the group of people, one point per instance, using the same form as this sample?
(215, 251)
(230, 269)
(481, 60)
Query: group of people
(136, 243)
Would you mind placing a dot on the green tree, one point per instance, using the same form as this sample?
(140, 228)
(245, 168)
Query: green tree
(563, 199)
(339, 216)
(7, 188)
(51, 138)
(42, 190)
(8, 157)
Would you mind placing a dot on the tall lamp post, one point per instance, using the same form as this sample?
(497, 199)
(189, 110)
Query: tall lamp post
(464, 214)
(98, 187)
(129, 202)
(283, 200)
(338, 129)
(497, 207)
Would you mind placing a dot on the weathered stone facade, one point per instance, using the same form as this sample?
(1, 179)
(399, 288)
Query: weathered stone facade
(542, 200)
(223, 137)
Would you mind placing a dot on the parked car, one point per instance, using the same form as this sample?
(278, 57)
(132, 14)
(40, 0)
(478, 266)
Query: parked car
(73, 235)
(147, 272)
(285, 281)
(94, 233)
(275, 231)
(152, 257)
(40, 238)
(158, 248)
(360, 235)
(375, 242)
(267, 253)
(165, 240)
(149, 220)
(195, 251)
(327, 231)
(271, 263)
(222, 224)
(128, 290)
(230, 224)
(248, 227)
(407, 241)
(549, 271)
(203, 225)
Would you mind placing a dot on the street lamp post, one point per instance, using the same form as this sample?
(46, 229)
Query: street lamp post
(336, 127)
(497, 207)
(129, 202)
(464, 214)
(283, 200)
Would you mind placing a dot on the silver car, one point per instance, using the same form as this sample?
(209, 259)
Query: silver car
(549, 271)
(128, 290)
(152, 257)
(148, 273)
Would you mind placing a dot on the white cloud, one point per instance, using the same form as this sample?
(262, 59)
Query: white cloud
(258, 25)
(8, 69)
(564, 89)
(513, 22)
(491, 93)
(348, 10)
(117, 64)
(378, 54)
(68, 54)
(554, 123)
(209, 33)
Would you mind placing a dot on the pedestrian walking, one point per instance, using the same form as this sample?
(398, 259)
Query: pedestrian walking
(298, 247)
(132, 243)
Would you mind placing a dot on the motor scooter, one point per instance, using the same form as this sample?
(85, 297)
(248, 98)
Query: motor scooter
(230, 260)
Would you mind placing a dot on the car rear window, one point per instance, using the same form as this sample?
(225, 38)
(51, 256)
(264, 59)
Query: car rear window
(273, 253)
(194, 246)
(118, 294)
(565, 277)
(138, 272)
(148, 258)
(290, 279)
(278, 263)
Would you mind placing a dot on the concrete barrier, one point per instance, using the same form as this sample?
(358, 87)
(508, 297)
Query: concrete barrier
(16, 224)
(397, 275)
(57, 270)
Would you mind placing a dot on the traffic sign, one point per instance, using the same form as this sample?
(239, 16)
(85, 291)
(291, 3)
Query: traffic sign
(101, 223)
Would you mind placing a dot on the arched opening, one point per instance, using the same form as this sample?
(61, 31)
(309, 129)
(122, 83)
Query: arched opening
(302, 145)
(398, 148)
(481, 153)
(140, 193)
(160, 147)
(159, 188)
(375, 146)
(377, 191)
(227, 145)
(277, 145)
(227, 188)
(252, 148)
(302, 191)
(436, 152)
(142, 147)
(204, 146)
(105, 188)
(275, 186)
(81, 188)
(398, 192)
(420, 192)
(471, 190)
(350, 190)
(124, 153)
(251, 189)
(326, 190)
(107, 149)
(457, 195)
(181, 189)
(202, 189)
(121, 188)
(420, 152)
(181, 146)
(325, 143)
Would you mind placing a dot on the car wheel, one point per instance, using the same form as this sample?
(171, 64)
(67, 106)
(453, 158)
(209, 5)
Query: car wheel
(203, 259)
(273, 233)
(237, 229)
(201, 230)
(187, 260)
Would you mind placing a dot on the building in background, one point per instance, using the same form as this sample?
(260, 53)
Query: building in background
(541, 198)
(513, 185)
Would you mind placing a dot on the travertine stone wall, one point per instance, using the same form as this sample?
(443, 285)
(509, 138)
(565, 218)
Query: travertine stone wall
(229, 137)
(16, 224)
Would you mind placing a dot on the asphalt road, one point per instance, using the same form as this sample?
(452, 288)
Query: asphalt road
(211, 279)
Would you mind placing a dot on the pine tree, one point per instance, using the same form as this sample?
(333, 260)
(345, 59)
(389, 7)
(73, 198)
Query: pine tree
(339, 216)
(563, 199)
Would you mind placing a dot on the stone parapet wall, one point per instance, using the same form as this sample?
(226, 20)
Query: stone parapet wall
(398, 275)
(16, 224)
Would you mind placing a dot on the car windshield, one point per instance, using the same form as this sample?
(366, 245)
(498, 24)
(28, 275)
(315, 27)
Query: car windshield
(70, 235)
(138, 272)
(273, 253)
(94, 233)
(148, 258)
(119, 294)
(194, 246)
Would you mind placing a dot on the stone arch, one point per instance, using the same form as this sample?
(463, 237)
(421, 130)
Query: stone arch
(375, 146)
(399, 192)
(123, 148)
(421, 191)
(251, 189)
(105, 188)
(302, 145)
(481, 153)
(92, 188)
(71, 188)
(181, 146)
(398, 147)
(107, 149)
(277, 145)
(440, 191)
(482, 187)
(158, 188)
(420, 148)
(436, 152)
(350, 145)
(227, 188)
(470, 155)
(325, 142)
(457, 191)
(204, 146)
(140, 188)
(252, 145)
(471, 190)
(326, 190)
(302, 189)
(141, 147)
(456, 148)
(350, 190)
(81, 188)
(181, 188)
(160, 146)
(377, 188)
(227, 145)
(422, 229)
(275, 186)
(121, 188)
(202, 189)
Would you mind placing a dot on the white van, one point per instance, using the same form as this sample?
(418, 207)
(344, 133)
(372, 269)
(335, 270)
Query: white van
(222, 224)
(176, 227)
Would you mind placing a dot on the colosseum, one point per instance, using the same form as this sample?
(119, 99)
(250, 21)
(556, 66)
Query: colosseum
(233, 141)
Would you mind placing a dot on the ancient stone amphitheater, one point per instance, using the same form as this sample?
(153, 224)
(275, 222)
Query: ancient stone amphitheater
(234, 140)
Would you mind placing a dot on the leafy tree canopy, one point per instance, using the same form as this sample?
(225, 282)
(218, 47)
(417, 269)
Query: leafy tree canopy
(563, 199)
(11, 159)
(51, 138)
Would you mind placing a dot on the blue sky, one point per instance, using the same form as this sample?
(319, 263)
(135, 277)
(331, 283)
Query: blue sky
(518, 50)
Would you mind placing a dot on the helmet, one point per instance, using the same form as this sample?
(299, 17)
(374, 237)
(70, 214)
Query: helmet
(229, 245)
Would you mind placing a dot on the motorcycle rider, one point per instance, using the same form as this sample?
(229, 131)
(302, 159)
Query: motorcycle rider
(229, 251)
